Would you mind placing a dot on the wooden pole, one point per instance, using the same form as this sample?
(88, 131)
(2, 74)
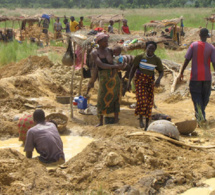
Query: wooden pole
(82, 76)
(71, 85)
(119, 27)
(20, 31)
(212, 32)
(13, 30)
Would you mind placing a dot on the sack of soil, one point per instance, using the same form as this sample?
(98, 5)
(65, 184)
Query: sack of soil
(68, 56)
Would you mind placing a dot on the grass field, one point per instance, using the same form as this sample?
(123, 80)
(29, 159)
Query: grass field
(193, 17)
(14, 51)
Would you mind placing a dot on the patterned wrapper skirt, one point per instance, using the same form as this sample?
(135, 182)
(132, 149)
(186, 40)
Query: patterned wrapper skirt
(24, 124)
(109, 93)
(144, 94)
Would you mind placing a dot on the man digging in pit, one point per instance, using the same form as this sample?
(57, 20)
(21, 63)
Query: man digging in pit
(45, 137)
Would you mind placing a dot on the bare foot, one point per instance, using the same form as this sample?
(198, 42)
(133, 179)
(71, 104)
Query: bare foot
(100, 124)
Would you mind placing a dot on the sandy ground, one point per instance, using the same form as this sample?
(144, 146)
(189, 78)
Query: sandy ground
(114, 163)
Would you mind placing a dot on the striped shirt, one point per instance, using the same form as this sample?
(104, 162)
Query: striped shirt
(144, 65)
(201, 53)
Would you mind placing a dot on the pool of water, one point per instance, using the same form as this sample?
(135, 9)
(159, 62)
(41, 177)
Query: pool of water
(72, 145)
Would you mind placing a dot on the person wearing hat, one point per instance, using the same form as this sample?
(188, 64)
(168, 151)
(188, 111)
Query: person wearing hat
(73, 24)
(201, 53)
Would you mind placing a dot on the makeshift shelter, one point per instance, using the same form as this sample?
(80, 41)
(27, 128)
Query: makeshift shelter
(163, 24)
(83, 40)
(212, 20)
(100, 20)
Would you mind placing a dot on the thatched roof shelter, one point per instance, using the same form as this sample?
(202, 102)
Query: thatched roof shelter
(163, 23)
(4, 18)
(99, 20)
(106, 18)
(212, 20)
(81, 38)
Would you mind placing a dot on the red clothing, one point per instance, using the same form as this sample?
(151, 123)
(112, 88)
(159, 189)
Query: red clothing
(24, 124)
(99, 29)
(201, 53)
(126, 29)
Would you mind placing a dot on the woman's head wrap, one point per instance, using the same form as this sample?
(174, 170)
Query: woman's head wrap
(151, 42)
(101, 36)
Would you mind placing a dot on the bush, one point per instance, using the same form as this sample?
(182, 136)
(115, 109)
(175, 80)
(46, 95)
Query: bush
(121, 7)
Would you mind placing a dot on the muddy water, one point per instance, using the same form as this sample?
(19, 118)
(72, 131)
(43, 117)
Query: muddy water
(203, 190)
(72, 145)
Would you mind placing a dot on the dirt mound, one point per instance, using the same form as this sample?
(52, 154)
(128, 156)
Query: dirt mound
(27, 87)
(26, 66)
(19, 103)
(8, 128)
(145, 163)
(19, 175)
(3, 93)
(35, 31)
(174, 98)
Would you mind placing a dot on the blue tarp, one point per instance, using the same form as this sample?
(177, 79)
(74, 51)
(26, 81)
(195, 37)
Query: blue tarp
(46, 16)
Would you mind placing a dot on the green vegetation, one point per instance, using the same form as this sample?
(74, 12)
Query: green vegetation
(193, 17)
(122, 4)
(15, 51)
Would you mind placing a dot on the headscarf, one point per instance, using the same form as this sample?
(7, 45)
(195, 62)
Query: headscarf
(101, 36)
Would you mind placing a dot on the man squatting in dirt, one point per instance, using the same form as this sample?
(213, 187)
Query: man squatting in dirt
(201, 53)
(44, 136)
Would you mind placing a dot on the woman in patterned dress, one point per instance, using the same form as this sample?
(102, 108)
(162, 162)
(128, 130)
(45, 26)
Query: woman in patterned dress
(144, 66)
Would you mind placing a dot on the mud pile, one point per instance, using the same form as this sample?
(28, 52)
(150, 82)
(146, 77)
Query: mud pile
(35, 31)
(24, 84)
(25, 66)
(19, 175)
(139, 163)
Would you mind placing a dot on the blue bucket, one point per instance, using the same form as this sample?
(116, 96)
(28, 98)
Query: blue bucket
(82, 103)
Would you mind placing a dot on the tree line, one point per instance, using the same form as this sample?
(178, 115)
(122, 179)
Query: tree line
(121, 4)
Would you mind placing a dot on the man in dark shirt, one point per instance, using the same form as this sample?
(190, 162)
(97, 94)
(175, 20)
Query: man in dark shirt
(45, 137)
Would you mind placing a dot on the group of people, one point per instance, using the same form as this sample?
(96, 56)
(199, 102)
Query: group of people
(7, 35)
(44, 135)
(109, 80)
(143, 70)
(124, 28)
(70, 26)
